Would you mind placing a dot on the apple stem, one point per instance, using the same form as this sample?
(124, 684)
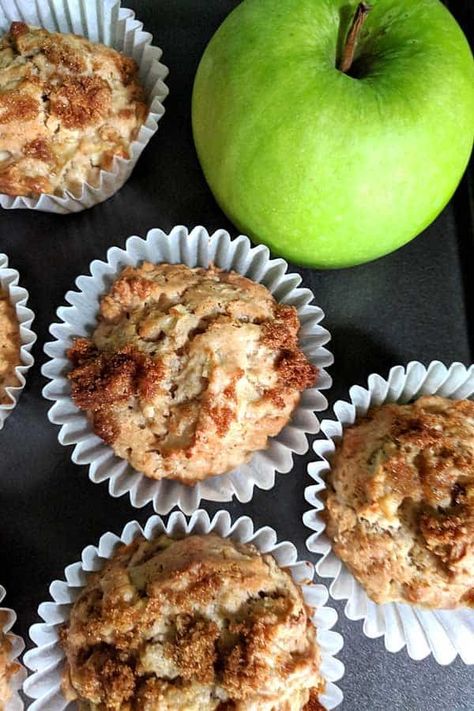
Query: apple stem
(350, 44)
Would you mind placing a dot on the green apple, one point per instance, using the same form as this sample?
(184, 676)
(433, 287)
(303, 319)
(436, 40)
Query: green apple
(334, 164)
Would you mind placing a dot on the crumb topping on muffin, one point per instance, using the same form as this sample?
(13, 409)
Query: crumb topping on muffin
(197, 624)
(400, 502)
(189, 371)
(67, 107)
(9, 346)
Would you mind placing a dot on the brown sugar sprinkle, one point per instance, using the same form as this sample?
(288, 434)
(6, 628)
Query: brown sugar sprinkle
(105, 379)
(293, 367)
(222, 417)
(117, 681)
(38, 148)
(17, 29)
(243, 668)
(80, 102)
(194, 648)
(18, 106)
(296, 371)
(468, 598)
(448, 533)
(314, 704)
(127, 68)
(105, 425)
(63, 56)
(102, 379)
(417, 430)
(81, 351)
(283, 331)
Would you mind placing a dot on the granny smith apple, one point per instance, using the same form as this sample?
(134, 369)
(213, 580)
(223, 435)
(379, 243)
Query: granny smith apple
(332, 132)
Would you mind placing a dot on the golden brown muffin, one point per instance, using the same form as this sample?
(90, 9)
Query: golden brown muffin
(8, 668)
(189, 371)
(400, 502)
(9, 346)
(67, 107)
(197, 624)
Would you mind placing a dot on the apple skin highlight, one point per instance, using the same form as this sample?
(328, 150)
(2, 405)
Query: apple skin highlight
(326, 168)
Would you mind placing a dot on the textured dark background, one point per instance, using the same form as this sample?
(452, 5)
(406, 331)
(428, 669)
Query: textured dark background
(413, 304)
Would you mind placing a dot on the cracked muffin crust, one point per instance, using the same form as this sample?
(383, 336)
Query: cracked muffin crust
(8, 668)
(189, 371)
(197, 624)
(67, 107)
(9, 346)
(400, 502)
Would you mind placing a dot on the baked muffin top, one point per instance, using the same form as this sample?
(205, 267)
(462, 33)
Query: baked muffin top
(400, 502)
(189, 371)
(67, 107)
(9, 346)
(197, 624)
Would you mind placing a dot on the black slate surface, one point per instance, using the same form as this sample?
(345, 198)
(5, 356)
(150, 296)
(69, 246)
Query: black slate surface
(414, 304)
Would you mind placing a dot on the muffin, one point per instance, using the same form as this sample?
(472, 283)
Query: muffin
(189, 371)
(400, 502)
(8, 668)
(9, 346)
(67, 108)
(197, 624)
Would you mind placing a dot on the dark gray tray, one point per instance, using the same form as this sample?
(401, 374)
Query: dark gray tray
(417, 303)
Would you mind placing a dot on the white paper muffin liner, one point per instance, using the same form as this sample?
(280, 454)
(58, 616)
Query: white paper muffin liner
(18, 297)
(196, 248)
(17, 646)
(443, 633)
(103, 21)
(46, 659)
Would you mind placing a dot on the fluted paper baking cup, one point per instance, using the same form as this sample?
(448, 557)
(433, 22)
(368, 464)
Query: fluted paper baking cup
(9, 279)
(103, 21)
(8, 619)
(195, 248)
(46, 659)
(443, 633)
